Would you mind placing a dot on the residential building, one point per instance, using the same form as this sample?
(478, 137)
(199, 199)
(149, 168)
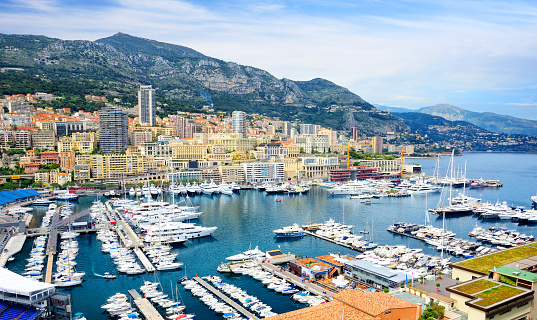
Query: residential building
(115, 166)
(388, 166)
(81, 172)
(84, 142)
(232, 141)
(313, 142)
(66, 128)
(53, 176)
(316, 167)
(155, 149)
(31, 167)
(49, 157)
(309, 128)
(184, 151)
(260, 172)
(114, 130)
(65, 144)
(359, 305)
(355, 134)
(22, 138)
(376, 144)
(332, 135)
(63, 178)
(286, 127)
(45, 124)
(232, 174)
(6, 139)
(137, 137)
(238, 119)
(267, 151)
(41, 177)
(43, 139)
(402, 148)
(147, 105)
(67, 160)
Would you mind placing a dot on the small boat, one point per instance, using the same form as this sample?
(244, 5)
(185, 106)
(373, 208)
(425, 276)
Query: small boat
(108, 275)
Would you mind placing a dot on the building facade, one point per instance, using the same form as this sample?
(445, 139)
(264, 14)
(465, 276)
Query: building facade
(114, 130)
(238, 120)
(138, 137)
(147, 105)
(261, 172)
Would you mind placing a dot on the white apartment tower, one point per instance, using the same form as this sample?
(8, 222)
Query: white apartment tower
(238, 121)
(147, 106)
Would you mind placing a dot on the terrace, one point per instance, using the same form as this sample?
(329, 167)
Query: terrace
(484, 263)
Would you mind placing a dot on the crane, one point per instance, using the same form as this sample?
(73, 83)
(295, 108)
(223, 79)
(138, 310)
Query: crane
(403, 161)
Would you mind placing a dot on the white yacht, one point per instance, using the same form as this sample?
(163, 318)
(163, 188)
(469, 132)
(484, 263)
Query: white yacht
(174, 232)
(247, 255)
(422, 187)
(42, 202)
(123, 202)
(209, 188)
(353, 187)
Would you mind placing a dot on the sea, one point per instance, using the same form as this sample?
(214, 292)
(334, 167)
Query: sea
(247, 220)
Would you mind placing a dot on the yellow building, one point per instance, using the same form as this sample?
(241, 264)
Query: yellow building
(43, 139)
(83, 159)
(65, 144)
(82, 172)
(84, 142)
(63, 178)
(232, 173)
(233, 142)
(165, 131)
(182, 151)
(115, 166)
(376, 144)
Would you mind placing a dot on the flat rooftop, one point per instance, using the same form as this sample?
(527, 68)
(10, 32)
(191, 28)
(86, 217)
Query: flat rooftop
(517, 273)
(335, 260)
(484, 263)
(489, 293)
(314, 265)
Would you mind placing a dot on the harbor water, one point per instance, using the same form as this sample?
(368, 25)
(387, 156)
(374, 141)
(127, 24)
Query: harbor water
(246, 220)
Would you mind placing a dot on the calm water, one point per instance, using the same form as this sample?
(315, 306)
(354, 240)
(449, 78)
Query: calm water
(247, 219)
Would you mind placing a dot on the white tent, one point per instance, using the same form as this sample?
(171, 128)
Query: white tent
(14, 287)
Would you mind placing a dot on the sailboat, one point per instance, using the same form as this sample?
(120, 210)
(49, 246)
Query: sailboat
(451, 209)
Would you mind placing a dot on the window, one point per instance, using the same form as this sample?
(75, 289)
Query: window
(387, 313)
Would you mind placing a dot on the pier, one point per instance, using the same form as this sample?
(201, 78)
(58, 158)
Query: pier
(143, 259)
(298, 281)
(225, 298)
(333, 241)
(145, 307)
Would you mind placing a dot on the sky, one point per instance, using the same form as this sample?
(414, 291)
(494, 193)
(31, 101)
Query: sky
(476, 55)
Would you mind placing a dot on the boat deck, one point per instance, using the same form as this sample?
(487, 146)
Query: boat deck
(333, 241)
(145, 307)
(225, 298)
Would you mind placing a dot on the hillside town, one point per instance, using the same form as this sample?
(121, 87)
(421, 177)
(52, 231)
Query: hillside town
(63, 146)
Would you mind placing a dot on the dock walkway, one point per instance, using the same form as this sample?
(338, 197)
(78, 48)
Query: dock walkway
(145, 307)
(333, 241)
(144, 260)
(13, 246)
(298, 281)
(225, 298)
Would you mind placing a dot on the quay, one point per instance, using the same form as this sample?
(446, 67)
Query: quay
(13, 246)
(143, 259)
(145, 307)
(225, 298)
(333, 241)
(298, 281)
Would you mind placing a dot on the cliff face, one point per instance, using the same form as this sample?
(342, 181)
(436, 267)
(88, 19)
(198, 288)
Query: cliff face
(183, 75)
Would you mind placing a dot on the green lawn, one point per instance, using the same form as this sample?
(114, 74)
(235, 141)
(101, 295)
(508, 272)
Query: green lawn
(476, 286)
(496, 294)
(500, 258)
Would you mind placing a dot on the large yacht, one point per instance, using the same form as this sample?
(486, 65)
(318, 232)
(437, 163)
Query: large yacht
(174, 232)
(422, 187)
(293, 231)
(353, 187)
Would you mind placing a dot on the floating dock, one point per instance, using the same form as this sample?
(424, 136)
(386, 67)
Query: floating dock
(144, 260)
(333, 241)
(145, 307)
(298, 281)
(225, 298)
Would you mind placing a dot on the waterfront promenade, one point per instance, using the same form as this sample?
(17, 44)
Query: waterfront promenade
(13, 246)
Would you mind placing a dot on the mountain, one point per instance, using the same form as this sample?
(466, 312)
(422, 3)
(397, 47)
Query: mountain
(393, 109)
(486, 120)
(466, 136)
(185, 77)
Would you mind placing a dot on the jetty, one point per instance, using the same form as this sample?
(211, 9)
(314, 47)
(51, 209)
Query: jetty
(334, 241)
(298, 281)
(225, 298)
(144, 260)
(145, 307)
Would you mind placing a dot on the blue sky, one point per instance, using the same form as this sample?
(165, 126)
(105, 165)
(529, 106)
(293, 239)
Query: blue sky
(477, 55)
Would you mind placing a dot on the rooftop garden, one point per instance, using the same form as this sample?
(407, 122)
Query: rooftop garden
(496, 294)
(476, 286)
(487, 262)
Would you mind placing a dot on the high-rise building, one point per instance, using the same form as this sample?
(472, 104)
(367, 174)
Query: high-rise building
(286, 127)
(309, 128)
(238, 120)
(114, 130)
(376, 144)
(355, 135)
(147, 105)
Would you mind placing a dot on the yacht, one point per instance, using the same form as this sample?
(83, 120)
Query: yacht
(175, 232)
(353, 187)
(67, 197)
(209, 188)
(293, 231)
(247, 255)
(534, 201)
(42, 202)
(465, 200)
(124, 202)
(423, 187)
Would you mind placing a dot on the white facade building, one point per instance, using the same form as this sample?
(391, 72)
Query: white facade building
(260, 172)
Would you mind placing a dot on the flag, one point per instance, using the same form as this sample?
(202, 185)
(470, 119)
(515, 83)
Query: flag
(406, 279)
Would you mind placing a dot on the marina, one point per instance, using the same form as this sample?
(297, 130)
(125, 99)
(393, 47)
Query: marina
(255, 215)
(145, 307)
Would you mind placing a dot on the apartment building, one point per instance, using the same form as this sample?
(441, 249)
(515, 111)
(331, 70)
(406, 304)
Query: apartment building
(43, 139)
(232, 141)
(155, 149)
(181, 151)
(317, 167)
(138, 137)
(67, 160)
(84, 142)
(22, 138)
(313, 142)
(115, 166)
(65, 144)
(260, 172)
(232, 174)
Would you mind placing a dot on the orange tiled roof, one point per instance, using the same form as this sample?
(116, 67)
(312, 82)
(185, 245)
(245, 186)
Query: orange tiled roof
(372, 302)
(333, 310)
